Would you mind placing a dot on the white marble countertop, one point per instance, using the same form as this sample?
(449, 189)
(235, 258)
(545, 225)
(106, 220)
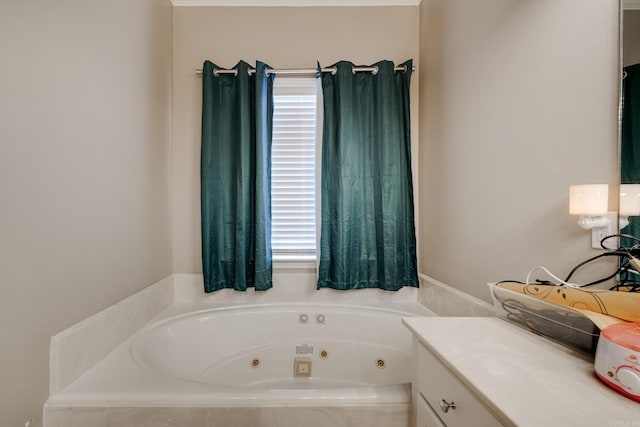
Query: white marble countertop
(526, 380)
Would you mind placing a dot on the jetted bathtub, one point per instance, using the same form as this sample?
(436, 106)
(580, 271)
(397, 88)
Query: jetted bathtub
(257, 365)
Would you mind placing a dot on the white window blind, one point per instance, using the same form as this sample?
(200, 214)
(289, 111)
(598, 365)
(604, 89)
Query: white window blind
(293, 170)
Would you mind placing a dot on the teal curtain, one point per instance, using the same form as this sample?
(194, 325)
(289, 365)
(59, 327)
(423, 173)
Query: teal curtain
(630, 146)
(235, 176)
(367, 233)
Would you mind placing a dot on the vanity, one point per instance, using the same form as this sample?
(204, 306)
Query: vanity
(484, 372)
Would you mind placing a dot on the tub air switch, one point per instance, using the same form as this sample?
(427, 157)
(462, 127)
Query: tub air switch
(302, 367)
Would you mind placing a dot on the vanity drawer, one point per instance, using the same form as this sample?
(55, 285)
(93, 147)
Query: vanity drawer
(439, 387)
(426, 417)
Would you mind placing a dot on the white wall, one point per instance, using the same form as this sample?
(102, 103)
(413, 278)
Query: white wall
(518, 101)
(85, 202)
(283, 37)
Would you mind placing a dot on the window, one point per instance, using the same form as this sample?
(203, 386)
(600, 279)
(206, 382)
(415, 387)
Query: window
(293, 171)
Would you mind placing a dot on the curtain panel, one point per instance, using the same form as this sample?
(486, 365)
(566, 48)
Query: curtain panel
(367, 214)
(235, 176)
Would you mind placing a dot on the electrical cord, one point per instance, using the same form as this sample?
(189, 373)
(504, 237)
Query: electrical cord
(626, 236)
(604, 279)
(628, 266)
(587, 261)
(540, 267)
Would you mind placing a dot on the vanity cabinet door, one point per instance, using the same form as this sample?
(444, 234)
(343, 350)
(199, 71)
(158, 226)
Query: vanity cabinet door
(453, 403)
(425, 416)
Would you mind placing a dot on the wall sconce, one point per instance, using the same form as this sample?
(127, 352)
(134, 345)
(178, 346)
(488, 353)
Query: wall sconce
(591, 203)
(629, 203)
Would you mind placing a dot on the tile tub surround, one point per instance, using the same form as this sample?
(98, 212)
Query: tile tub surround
(76, 349)
(72, 405)
(335, 416)
(295, 285)
(447, 301)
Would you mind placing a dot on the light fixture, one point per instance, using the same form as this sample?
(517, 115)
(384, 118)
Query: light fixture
(591, 202)
(629, 203)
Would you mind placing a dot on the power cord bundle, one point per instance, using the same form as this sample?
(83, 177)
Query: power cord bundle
(628, 271)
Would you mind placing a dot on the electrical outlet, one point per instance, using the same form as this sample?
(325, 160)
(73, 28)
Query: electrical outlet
(599, 233)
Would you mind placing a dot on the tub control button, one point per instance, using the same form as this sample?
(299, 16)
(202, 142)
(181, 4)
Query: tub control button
(320, 318)
(303, 318)
(302, 367)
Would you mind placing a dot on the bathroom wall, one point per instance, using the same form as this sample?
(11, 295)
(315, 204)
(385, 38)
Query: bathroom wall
(85, 192)
(283, 37)
(631, 31)
(518, 100)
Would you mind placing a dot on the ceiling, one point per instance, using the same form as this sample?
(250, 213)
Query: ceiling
(632, 4)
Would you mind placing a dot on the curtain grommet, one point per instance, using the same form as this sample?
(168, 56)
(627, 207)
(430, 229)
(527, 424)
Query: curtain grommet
(375, 70)
(217, 72)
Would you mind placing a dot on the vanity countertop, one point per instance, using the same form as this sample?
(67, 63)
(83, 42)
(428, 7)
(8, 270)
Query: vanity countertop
(526, 380)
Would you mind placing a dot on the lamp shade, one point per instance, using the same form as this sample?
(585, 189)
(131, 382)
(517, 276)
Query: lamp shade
(630, 199)
(589, 199)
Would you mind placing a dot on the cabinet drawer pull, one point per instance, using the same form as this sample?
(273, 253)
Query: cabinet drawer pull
(445, 406)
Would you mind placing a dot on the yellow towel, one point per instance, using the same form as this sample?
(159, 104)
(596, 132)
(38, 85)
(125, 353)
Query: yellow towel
(621, 305)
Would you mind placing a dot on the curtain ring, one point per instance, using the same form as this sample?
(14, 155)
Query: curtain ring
(215, 72)
(353, 70)
(405, 69)
(375, 70)
(334, 71)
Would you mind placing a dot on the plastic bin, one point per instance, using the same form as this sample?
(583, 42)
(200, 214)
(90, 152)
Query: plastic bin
(559, 323)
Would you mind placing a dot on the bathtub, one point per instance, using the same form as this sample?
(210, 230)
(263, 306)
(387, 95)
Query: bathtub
(254, 365)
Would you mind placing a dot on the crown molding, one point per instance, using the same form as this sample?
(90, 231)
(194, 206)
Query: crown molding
(631, 4)
(266, 3)
(627, 4)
